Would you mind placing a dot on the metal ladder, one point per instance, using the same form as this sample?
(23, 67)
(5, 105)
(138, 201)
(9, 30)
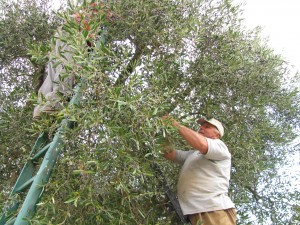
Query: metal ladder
(35, 177)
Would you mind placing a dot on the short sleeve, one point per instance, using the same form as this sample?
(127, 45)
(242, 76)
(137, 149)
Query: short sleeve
(217, 150)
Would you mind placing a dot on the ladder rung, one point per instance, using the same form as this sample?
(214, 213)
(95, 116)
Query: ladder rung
(11, 221)
(50, 152)
(41, 153)
(25, 185)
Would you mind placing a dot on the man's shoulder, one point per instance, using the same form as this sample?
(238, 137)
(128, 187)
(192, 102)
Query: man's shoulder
(217, 149)
(216, 142)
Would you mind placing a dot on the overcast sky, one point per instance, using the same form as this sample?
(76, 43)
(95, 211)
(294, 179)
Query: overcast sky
(279, 21)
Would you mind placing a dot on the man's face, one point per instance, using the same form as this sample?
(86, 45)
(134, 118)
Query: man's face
(209, 131)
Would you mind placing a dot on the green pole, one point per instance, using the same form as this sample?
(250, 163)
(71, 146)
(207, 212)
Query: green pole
(42, 177)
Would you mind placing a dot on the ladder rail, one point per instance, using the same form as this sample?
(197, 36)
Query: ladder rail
(29, 169)
(42, 177)
(169, 193)
(23, 182)
(33, 196)
(51, 153)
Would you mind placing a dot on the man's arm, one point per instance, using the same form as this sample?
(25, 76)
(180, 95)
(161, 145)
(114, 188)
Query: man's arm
(170, 155)
(169, 151)
(194, 139)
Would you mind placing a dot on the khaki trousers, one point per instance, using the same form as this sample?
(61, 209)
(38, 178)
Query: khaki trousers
(219, 217)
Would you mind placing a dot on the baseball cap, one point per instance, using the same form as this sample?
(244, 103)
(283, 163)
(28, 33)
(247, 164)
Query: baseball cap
(213, 122)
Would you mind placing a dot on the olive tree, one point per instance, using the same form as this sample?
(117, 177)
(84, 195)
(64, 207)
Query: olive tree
(188, 59)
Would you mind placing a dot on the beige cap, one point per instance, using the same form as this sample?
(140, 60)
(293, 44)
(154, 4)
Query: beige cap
(214, 122)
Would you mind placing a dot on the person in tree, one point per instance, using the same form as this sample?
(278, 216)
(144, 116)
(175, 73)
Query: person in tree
(203, 182)
(54, 86)
(58, 86)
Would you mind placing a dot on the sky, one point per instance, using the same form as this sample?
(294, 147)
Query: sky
(279, 22)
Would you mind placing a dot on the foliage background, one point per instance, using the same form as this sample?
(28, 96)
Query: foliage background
(186, 58)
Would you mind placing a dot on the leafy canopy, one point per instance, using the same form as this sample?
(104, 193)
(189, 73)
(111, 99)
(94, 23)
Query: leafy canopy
(186, 58)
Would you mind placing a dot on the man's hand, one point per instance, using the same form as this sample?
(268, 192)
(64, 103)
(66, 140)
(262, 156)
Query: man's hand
(168, 151)
(173, 122)
(167, 146)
